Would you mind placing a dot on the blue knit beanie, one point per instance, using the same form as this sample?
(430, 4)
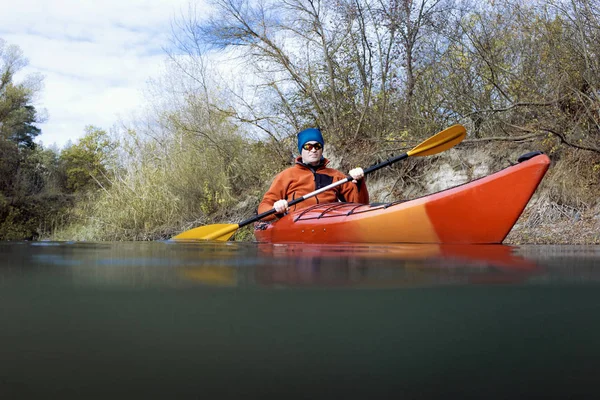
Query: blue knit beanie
(308, 135)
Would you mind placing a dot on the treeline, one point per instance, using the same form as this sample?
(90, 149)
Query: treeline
(38, 186)
(376, 76)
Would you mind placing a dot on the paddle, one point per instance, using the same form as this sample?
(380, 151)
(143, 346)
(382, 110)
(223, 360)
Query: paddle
(442, 141)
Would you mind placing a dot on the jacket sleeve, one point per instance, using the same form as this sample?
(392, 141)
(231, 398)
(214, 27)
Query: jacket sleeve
(355, 192)
(277, 191)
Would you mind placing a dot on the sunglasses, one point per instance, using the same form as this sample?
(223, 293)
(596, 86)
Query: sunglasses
(310, 146)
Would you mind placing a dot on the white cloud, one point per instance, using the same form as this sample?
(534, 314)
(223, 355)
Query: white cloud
(96, 56)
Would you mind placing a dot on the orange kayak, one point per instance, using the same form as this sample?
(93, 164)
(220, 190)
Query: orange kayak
(479, 212)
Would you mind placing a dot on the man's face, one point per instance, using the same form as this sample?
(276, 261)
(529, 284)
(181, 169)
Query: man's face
(312, 153)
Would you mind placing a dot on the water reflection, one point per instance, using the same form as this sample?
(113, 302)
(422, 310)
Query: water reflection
(390, 265)
(247, 265)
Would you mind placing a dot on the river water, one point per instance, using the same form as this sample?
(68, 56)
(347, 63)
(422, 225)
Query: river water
(247, 320)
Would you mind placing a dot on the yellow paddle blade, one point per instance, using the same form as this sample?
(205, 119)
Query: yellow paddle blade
(442, 141)
(212, 275)
(220, 232)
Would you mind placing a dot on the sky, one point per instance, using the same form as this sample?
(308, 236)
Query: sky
(96, 57)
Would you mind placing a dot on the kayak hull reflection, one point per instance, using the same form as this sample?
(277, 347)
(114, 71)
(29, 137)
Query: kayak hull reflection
(479, 212)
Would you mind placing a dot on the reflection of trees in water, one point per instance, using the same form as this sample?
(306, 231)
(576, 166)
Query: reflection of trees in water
(564, 262)
(159, 264)
(351, 271)
(123, 264)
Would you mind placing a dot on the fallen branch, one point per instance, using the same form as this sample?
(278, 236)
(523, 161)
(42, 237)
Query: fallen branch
(504, 138)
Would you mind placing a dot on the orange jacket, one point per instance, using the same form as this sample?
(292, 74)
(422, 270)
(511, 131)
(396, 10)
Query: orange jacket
(299, 180)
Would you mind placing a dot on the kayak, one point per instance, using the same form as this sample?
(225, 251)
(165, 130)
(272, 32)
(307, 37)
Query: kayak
(482, 211)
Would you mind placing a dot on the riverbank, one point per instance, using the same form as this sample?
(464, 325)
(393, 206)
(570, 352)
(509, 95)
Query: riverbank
(563, 210)
(577, 229)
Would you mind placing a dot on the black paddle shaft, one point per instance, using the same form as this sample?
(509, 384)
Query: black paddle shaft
(387, 162)
(267, 213)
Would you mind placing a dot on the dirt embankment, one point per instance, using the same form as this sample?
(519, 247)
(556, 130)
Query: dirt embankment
(566, 206)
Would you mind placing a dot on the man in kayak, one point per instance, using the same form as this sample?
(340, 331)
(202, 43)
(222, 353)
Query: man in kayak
(310, 173)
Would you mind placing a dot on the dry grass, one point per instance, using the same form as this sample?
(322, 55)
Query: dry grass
(171, 187)
(565, 209)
